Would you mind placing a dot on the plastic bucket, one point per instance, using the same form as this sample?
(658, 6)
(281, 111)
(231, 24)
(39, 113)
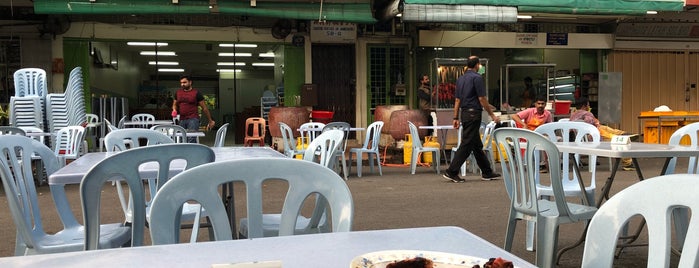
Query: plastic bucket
(322, 116)
(561, 107)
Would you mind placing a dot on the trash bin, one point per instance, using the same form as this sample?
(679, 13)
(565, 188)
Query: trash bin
(322, 116)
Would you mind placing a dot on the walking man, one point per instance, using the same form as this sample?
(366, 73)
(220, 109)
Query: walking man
(187, 100)
(471, 99)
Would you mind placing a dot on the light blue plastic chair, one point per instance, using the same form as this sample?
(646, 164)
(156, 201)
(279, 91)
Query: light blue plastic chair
(309, 131)
(8, 130)
(125, 166)
(370, 147)
(654, 199)
(143, 117)
(220, 139)
(24, 204)
(254, 172)
(418, 148)
(288, 141)
(520, 182)
(176, 133)
(70, 143)
(340, 153)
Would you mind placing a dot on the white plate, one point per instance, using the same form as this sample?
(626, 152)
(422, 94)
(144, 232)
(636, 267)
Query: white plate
(380, 259)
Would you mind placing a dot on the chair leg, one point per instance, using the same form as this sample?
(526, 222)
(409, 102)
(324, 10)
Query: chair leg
(530, 235)
(370, 157)
(413, 161)
(438, 162)
(546, 244)
(378, 163)
(344, 166)
(359, 165)
(510, 233)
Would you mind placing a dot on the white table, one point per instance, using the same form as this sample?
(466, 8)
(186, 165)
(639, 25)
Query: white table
(326, 250)
(441, 135)
(148, 123)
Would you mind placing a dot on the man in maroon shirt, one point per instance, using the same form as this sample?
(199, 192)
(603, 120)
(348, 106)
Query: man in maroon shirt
(187, 100)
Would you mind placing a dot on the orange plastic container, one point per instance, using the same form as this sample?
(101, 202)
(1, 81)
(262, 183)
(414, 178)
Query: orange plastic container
(561, 107)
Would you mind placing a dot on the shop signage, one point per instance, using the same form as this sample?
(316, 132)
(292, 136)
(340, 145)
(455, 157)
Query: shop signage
(527, 39)
(333, 32)
(557, 39)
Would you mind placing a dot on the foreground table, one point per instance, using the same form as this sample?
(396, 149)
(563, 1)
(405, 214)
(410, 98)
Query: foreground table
(318, 250)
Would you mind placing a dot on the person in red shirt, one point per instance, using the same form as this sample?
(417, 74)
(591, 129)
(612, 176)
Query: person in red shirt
(186, 103)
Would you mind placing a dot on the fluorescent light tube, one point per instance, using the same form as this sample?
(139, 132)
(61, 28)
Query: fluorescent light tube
(160, 53)
(230, 54)
(163, 63)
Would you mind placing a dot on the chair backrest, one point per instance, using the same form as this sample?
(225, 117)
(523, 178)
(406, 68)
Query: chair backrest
(417, 143)
(288, 139)
(373, 136)
(253, 172)
(692, 132)
(255, 127)
(310, 130)
(120, 125)
(220, 139)
(18, 183)
(322, 149)
(125, 165)
(487, 134)
(143, 117)
(571, 131)
(124, 139)
(7, 130)
(520, 146)
(345, 127)
(92, 118)
(176, 133)
(68, 142)
(30, 82)
(29, 130)
(110, 127)
(655, 200)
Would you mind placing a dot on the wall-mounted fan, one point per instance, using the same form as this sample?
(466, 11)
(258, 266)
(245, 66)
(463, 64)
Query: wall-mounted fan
(281, 29)
(55, 24)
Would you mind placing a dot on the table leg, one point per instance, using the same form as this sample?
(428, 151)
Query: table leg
(229, 203)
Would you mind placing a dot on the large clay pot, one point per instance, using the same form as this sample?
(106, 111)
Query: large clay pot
(292, 116)
(399, 123)
(383, 113)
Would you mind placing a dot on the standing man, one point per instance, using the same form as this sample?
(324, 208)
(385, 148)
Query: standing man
(471, 99)
(531, 118)
(423, 93)
(186, 101)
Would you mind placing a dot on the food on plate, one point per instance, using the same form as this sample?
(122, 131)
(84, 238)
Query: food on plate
(417, 262)
(496, 263)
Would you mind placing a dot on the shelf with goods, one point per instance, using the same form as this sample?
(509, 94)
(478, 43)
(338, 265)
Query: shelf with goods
(589, 85)
(444, 73)
(267, 101)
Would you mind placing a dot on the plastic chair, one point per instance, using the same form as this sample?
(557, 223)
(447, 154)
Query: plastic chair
(690, 132)
(418, 148)
(486, 131)
(125, 166)
(309, 131)
(7, 130)
(177, 133)
(345, 127)
(254, 172)
(220, 139)
(322, 151)
(370, 147)
(30, 82)
(143, 117)
(255, 131)
(91, 123)
(69, 143)
(24, 205)
(654, 199)
(121, 125)
(520, 147)
(289, 141)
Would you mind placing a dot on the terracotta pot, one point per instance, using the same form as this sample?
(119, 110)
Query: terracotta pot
(383, 113)
(292, 116)
(399, 123)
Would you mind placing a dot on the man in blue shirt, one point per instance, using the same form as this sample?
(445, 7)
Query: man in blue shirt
(471, 99)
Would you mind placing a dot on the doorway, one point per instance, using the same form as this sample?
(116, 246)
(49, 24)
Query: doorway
(334, 75)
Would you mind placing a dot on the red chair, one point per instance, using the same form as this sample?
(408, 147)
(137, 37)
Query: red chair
(254, 131)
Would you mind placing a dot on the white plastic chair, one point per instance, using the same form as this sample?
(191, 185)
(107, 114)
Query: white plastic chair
(418, 149)
(322, 151)
(220, 139)
(690, 131)
(177, 133)
(309, 131)
(654, 199)
(121, 123)
(69, 143)
(254, 172)
(7, 130)
(288, 141)
(340, 153)
(143, 117)
(125, 166)
(370, 147)
(24, 205)
(520, 149)
(30, 82)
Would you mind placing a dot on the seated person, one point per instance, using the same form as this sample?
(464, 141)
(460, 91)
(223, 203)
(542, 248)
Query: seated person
(531, 118)
(582, 113)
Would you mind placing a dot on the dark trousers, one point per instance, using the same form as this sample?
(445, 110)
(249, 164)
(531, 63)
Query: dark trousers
(470, 143)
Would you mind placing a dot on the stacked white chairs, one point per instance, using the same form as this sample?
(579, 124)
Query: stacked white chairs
(340, 153)
(254, 173)
(370, 147)
(418, 149)
(322, 151)
(220, 139)
(653, 199)
(69, 143)
(24, 205)
(68, 108)
(520, 147)
(288, 141)
(26, 112)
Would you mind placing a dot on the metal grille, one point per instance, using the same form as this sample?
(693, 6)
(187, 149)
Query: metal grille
(386, 69)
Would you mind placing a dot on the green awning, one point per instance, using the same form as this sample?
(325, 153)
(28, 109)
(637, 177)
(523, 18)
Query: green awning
(354, 12)
(587, 7)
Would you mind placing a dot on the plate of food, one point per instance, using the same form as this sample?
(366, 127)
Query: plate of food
(423, 259)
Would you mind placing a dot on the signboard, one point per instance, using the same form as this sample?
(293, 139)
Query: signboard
(557, 39)
(527, 39)
(333, 32)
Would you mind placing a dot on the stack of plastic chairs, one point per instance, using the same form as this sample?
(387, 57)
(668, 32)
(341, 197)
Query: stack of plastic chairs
(67, 109)
(27, 106)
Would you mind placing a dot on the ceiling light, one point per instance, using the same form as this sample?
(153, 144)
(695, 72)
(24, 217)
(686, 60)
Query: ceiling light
(230, 63)
(170, 70)
(160, 53)
(524, 17)
(237, 45)
(266, 64)
(228, 70)
(652, 12)
(228, 54)
(267, 55)
(149, 44)
(163, 63)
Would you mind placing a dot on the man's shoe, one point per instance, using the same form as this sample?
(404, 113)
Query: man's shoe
(453, 178)
(491, 176)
